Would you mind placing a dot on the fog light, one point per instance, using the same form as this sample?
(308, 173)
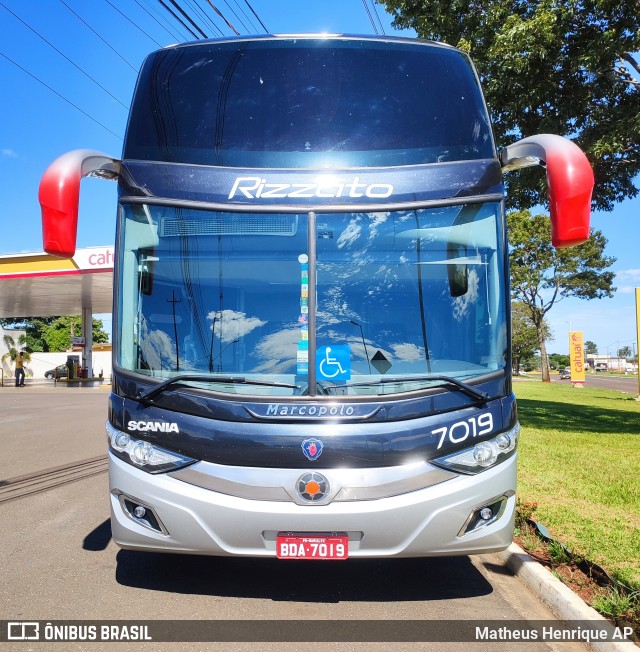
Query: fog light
(482, 517)
(486, 514)
(503, 441)
(140, 513)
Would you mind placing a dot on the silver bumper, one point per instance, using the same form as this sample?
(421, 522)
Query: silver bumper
(197, 511)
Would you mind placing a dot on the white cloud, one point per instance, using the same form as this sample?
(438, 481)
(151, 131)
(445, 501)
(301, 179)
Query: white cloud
(231, 325)
(9, 153)
(408, 352)
(277, 350)
(157, 348)
(627, 280)
(462, 305)
(628, 276)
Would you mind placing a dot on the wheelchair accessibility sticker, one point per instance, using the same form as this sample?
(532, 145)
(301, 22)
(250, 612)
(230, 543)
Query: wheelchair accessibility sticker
(333, 362)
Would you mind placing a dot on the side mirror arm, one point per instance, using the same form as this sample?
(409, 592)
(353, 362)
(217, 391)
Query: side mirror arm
(569, 178)
(59, 196)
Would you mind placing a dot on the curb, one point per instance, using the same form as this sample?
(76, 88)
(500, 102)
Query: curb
(558, 597)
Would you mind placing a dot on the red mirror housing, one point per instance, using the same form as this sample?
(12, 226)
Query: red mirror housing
(570, 181)
(59, 196)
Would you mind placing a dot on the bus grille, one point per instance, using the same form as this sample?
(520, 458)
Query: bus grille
(230, 224)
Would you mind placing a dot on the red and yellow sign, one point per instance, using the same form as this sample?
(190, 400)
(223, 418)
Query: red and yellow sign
(576, 356)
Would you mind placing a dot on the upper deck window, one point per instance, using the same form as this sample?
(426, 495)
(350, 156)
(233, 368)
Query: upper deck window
(312, 103)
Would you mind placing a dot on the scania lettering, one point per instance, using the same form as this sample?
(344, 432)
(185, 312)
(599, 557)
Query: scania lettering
(153, 426)
(311, 344)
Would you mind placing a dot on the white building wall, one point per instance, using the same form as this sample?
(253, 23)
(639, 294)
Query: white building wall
(42, 362)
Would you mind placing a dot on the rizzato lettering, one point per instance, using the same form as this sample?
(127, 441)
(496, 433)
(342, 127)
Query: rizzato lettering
(258, 188)
(152, 426)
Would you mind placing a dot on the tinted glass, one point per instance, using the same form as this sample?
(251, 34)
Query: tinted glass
(308, 103)
(399, 294)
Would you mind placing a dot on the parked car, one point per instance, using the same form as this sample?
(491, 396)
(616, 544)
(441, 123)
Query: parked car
(601, 366)
(60, 371)
(565, 374)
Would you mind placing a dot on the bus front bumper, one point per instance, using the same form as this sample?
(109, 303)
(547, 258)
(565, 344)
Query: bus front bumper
(165, 514)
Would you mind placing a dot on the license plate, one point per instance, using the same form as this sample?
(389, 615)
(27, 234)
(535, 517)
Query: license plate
(312, 546)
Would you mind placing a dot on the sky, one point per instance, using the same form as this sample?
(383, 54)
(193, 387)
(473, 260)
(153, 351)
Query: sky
(68, 70)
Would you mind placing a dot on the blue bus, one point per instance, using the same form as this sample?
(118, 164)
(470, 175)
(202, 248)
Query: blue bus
(311, 299)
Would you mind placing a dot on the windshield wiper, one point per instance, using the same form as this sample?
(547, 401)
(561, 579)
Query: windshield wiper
(229, 380)
(469, 390)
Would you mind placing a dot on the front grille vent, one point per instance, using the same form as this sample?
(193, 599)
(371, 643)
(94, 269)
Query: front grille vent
(229, 224)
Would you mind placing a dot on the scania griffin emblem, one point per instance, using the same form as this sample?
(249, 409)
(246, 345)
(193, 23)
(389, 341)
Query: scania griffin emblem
(312, 448)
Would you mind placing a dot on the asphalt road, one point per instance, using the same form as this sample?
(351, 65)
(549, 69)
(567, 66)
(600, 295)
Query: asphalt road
(628, 384)
(59, 562)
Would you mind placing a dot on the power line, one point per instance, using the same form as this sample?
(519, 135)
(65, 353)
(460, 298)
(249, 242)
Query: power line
(224, 18)
(62, 54)
(53, 90)
(256, 15)
(375, 11)
(134, 24)
(195, 36)
(186, 15)
(246, 29)
(204, 16)
(366, 8)
(165, 27)
(98, 35)
(249, 20)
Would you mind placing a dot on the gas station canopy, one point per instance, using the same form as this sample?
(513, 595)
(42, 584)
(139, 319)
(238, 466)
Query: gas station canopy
(40, 285)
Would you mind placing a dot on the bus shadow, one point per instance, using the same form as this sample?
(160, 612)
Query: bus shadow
(579, 418)
(370, 580)
(99, 538)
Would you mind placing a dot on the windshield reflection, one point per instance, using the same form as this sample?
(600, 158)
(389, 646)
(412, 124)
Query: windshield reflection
(399, 295)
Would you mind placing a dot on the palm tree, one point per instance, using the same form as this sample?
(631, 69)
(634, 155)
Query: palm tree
(15, 348)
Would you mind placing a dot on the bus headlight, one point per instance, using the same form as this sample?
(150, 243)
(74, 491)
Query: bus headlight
(483, 455)
(146, 456)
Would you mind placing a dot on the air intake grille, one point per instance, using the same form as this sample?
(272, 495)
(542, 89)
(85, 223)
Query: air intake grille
(229, 224)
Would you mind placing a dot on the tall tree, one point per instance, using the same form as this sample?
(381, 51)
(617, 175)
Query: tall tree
(542, 275)
(59, 333)
(54, 333)
(14, 346)
(625, 352)
(565, 68)
(524, 336)
(591, 348)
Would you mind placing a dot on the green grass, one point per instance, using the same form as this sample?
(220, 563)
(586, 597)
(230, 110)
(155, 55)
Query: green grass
(579, 459)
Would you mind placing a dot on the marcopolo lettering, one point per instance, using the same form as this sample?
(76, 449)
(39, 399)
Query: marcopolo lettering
(258, 188)
(334, 411)
(153, 426)
(278, 409)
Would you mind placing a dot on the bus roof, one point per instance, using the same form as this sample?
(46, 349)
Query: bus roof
(308, 101)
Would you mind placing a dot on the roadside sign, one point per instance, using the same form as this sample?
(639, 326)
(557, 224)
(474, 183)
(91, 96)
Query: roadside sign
(576, 355)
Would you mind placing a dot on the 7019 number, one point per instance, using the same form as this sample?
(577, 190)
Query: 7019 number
(462, 430)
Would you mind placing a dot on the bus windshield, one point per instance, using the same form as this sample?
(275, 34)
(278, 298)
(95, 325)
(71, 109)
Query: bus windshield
(308, 103)
(398, 296)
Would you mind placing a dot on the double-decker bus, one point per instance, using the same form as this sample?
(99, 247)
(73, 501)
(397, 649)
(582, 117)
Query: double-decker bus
(311, 301)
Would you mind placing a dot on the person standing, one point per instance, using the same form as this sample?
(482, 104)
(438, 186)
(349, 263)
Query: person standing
(19, 370)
